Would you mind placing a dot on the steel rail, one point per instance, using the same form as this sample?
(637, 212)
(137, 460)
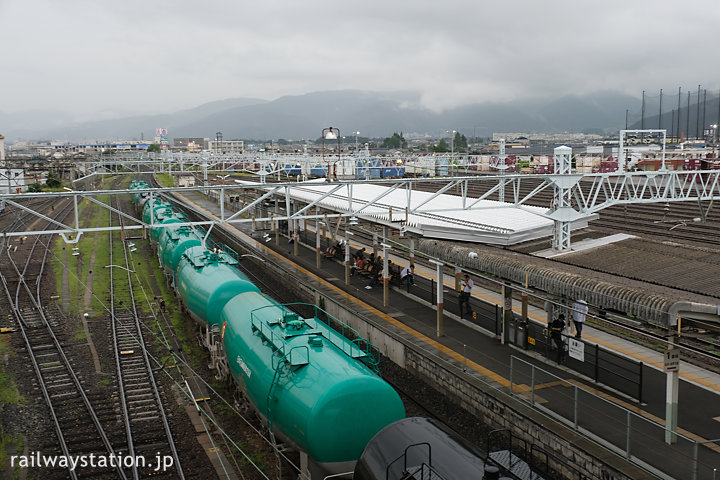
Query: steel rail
(146, 361)
(36, 301)
(120, 377)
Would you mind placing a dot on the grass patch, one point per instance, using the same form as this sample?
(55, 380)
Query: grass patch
(80, 336)
(11, 446)
(5, 347)
(165, 179)
(92, 255)
(8, 390)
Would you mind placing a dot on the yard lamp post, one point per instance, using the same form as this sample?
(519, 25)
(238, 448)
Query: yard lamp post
(452, 151)
(330, 133)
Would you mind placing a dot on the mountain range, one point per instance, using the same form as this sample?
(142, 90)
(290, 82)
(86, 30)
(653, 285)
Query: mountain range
(374, 114)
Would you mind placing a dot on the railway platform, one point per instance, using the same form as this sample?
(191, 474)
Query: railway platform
(616, 423)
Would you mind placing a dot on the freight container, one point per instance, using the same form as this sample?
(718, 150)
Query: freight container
(318, 171)
(392, 172)
(292, 170)
(364, 166)
(692, 164)
(441, 167)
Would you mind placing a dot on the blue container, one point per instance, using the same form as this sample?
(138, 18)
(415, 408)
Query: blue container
(361, 169)
(318, 171)
(393, 172)
(441, 167)
(375, 172)
(292, 169)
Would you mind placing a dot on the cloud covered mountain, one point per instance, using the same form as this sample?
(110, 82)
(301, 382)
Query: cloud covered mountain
(374, 114)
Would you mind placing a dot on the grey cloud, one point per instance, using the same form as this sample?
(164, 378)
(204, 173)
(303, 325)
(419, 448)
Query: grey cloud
(91, 56)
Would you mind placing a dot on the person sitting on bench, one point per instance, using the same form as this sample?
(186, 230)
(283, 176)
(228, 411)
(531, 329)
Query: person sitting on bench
(332, 251)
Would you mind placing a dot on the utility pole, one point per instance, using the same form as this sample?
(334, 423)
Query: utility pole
(687, 123)
(678, 114)
(718, 121)
(697, 115)
(642, 114)
(704, 105)
(672, 124)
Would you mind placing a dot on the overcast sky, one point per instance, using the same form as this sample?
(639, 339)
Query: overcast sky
(131, 56)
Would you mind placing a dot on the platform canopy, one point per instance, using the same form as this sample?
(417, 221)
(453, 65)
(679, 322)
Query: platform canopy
(432, 215)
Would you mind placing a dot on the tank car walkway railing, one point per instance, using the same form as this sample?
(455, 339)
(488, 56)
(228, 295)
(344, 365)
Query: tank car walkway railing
(340, 334)
(508, 450)
(623, 430)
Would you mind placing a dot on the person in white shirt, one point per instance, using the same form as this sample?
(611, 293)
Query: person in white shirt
(464, 297)
(406, 276)
(579, 312)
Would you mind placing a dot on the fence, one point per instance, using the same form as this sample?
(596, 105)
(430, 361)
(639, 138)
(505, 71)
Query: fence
(637, 438)
(604, 366)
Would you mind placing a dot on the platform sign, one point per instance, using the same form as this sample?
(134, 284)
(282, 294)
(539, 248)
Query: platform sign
(576, 349)
(672, 360)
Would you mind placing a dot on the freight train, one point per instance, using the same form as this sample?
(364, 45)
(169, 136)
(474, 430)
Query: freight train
(314, 388)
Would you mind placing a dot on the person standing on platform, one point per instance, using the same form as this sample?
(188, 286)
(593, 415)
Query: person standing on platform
(465, 290)
(406, 276)
(579, 312)
(556, 333)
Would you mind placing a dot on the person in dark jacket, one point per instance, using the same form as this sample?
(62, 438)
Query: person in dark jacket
(556, 328)
(374, 276)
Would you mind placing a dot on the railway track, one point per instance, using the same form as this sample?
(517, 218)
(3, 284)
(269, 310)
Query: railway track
(77, 421)
(146, 425)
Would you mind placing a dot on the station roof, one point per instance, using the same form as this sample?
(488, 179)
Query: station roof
(437, 216)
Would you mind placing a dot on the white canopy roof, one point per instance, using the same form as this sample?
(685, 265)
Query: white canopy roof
(436, 216)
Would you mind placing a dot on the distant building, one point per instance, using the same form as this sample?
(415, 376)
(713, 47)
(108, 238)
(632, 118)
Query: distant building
(2, 148)
(61, 148)
(186, 181)
(13, 180)
(226, 146)
(192, 144)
